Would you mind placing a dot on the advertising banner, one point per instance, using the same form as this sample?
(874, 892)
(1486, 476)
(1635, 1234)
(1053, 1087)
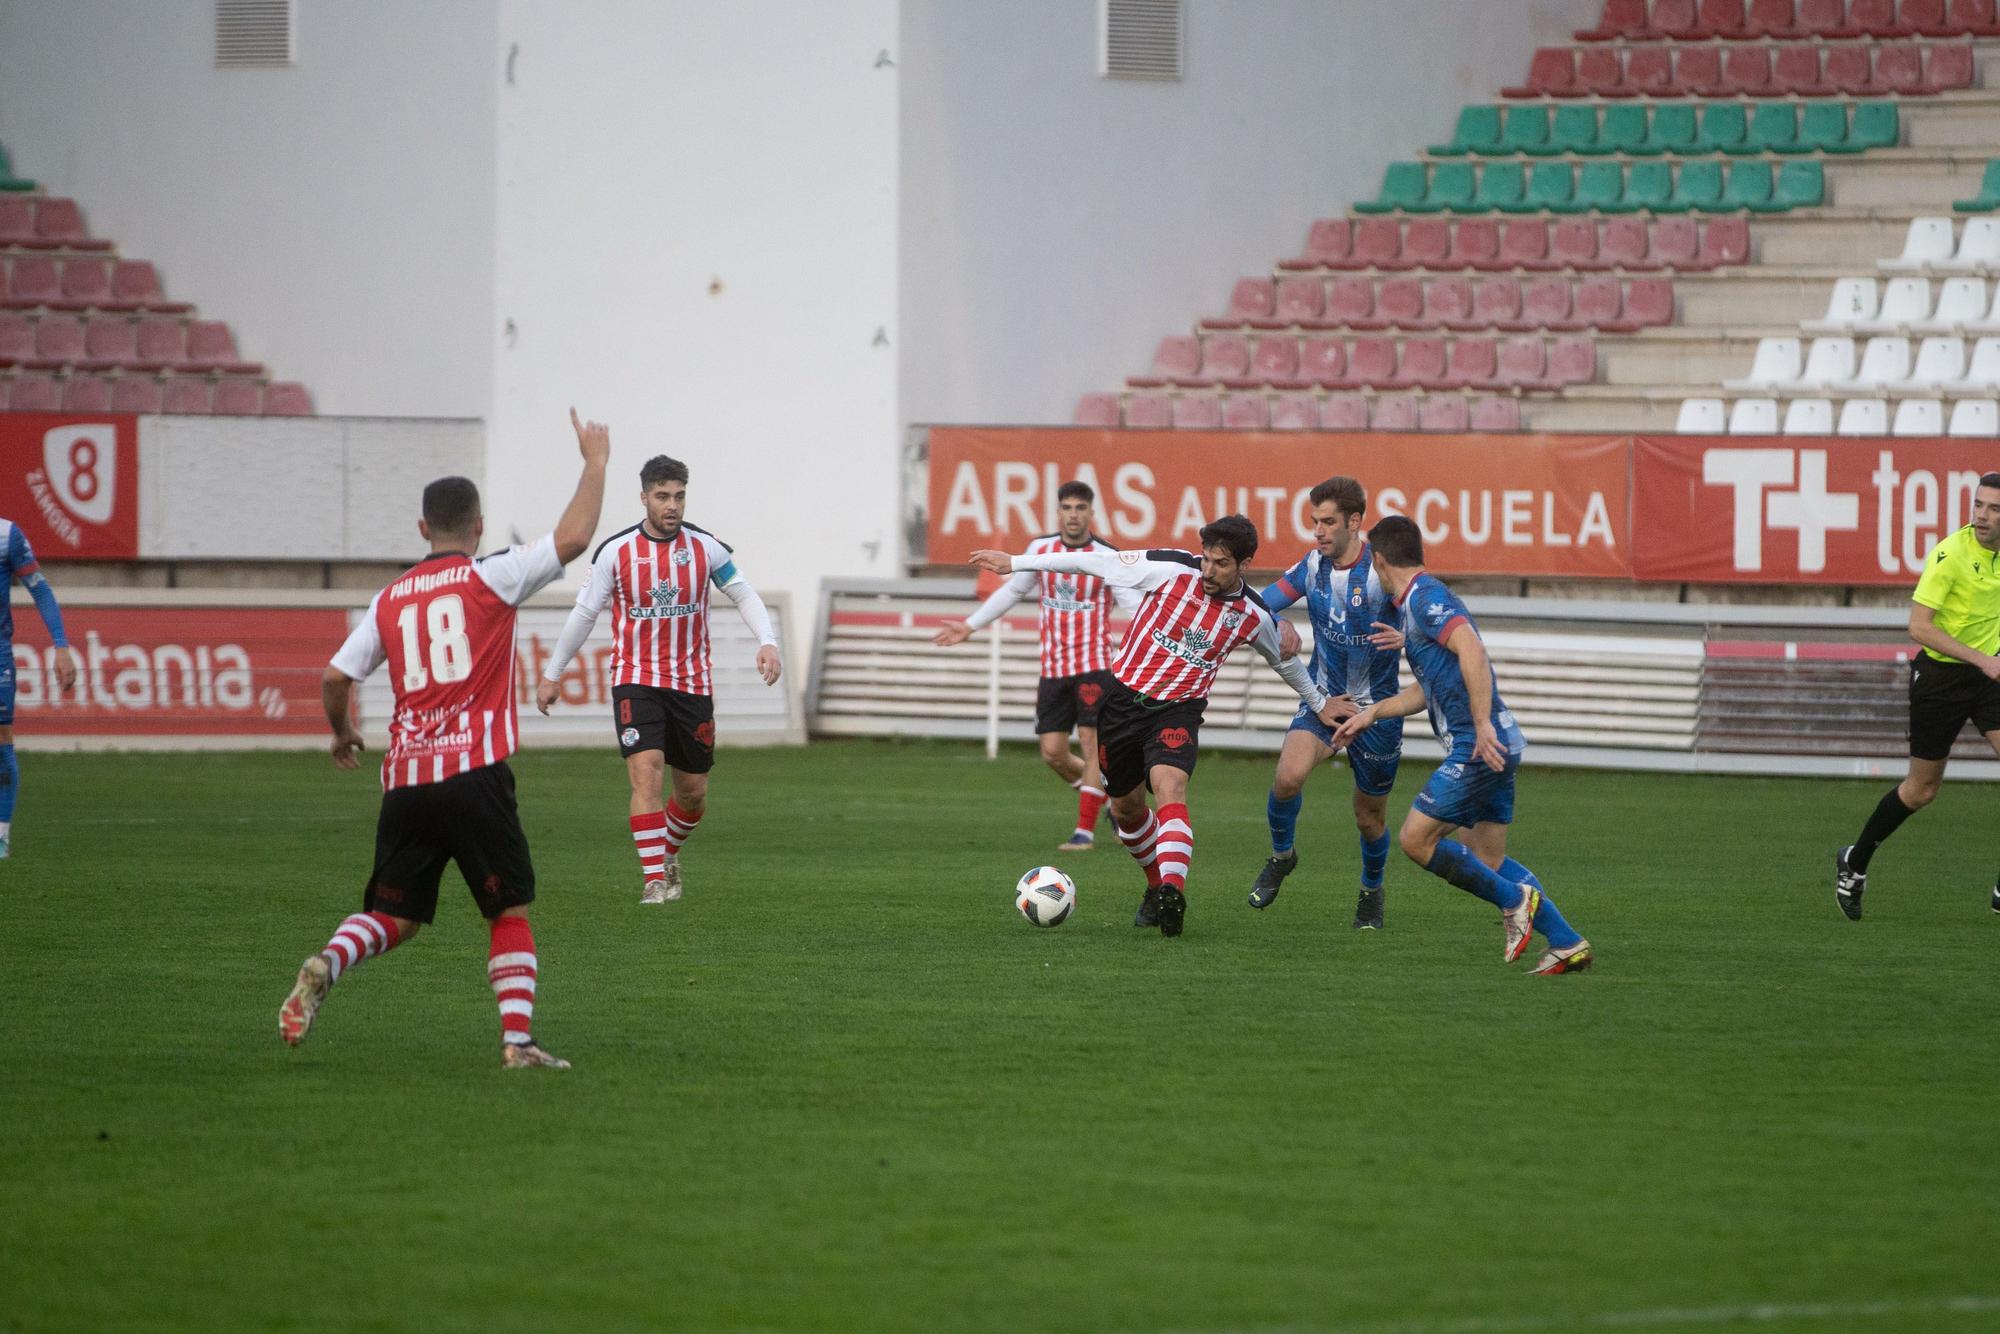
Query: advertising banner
(1500, 504)
(1735, 509)
(71, 483)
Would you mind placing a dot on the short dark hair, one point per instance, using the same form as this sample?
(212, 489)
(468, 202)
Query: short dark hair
(660, 468)
(1991, 479)
(1344, 492)
(1076, 491)
(451, 505)
(1398, 541)
(1234, 534)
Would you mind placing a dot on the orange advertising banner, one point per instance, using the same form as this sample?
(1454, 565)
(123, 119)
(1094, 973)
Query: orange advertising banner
(1487, 504)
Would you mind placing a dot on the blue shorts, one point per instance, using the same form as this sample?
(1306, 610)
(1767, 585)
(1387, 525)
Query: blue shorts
(7, 688)
(1465, 792)
(1372, 756)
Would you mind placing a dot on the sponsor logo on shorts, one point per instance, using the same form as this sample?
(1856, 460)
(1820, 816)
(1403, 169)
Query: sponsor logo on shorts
(1451, 770)
(1173, 738)
(1090, 694)
(629, 737)
(706, 735)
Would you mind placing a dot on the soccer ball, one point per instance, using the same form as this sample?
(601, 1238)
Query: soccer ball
(1045, 896)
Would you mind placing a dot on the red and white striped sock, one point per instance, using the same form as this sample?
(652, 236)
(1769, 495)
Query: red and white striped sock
(1176, 845)
(510, 970)
(1139, 841)
(680, 826)
(362, 936)
(649, 832)
(1090, 800)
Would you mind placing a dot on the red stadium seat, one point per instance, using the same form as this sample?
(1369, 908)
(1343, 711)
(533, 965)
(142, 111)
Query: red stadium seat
(1925, 17)
(1343, 412)
(1623, 244)
(1474, 361)
(1899, 68)
(1649, 303)
(1426, 243)
(239, 398)
(1322, 361)
(1849, 69)
(1649, 72)
(1442, 412)
(1773, 18)
(17, 339)
(1191, 412)
(1948, 68)
(1244, 412)
(1143, 411)
(1422, 364)
(1621, 18)
(34, 281)
(1573, 361)
(162, 342)
(86, 393)
(1223, 357)
(212, 347)
(1600, 302)
(1327, 241)
(1822, 18)
(1394, 412)
(1796, 72)
(1573, 243)
(1178, 357)
(1300, 299)
(1495, 301)
(135, 284)
(1723, 18)
(1274, 360)
(1978, 18)
(1252, 299)
(1096, 410)
(1350, 303)
(135, 393)
(1371, 361)
(1551, 73)
(1873, 18)
(1523, 360)
(1524, 244)
(1474, 243)
(1377, 242)
(85, 283)
(1447, 303)
(1496, 414)
(283, 398)
(1678, 19)
(1289, 412)
(58, 222)
(58, 341)
(1675, 243)
(1600, 72)
(1725, 241)
(1746, 71)
(35, 392)
(1546, 303)
(1399, 303)
(17, 219)
(1698, 70)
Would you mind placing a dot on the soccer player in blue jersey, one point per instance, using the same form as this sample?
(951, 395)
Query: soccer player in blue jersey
(1354, 654)
(18, 562)
(1474, 788)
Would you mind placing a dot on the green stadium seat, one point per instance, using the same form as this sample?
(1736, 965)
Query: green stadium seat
(1988, 197)
(1550, 186)
(1478, 132)
(1502, 186)
(8, 180)
(1671, 130)
(1750, 186)
(1526, 130)
(1623, 130)
(1648, 185)
(1574, 130)
(1600, 185)
(1724, 126)
(1403, 184)
(1698, 185)
(1800, 185)
(1452, 185)
(1876, 125)
(1774, 128)
(1822, 129)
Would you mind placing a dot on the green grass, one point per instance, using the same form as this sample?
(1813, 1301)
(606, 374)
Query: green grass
(843, 1086)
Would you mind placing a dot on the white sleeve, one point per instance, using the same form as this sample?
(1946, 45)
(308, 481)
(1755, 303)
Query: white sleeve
(1018, 585)
(1139, 571)
(1293, 670)
(362, 652)
(755, 614)
(518, 573)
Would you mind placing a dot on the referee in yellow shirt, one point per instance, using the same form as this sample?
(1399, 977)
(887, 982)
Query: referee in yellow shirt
(1955, 616)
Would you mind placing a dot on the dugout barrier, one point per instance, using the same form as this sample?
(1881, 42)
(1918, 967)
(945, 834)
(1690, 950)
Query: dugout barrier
(239, 669)
(1624, 685)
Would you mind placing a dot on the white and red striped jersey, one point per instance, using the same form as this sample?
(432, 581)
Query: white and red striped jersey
(658, 591)
(1180, 635)
(1075, 621)
(446, 629)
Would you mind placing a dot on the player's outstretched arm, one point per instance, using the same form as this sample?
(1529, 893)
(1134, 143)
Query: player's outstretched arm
(336, 694)
(1018, 585)
(579, 521)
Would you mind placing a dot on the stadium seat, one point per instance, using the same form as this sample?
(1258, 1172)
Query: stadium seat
(1989, 320)
(1350, 304)
(1978, 248)
(1774, 128)
(1495, 301)
(1746, 72)
(1426, 242)
(1750, 186)
(1546, 303)
(1898, 69)
(33, 281)
(1477, 131)
(1863, 416)
(1399, 304)
(1178, 357)
(1753, 416)
(1452, 186)
(1927, 244)
(1725, 128)
(1795, 72)
(85, 283)
(1251, 299)
(1622, 244)
(1223, 356)
(1884, 362)
(1649, 72)
(1327, 241)
(1599, 186)
(1926, 18)
(1504, 187)
(1940, 361)
(1573, 243)
(1146, 411)
(1322, 361)
(1725, 241)
(35, 392)
(1475, 243)
(1274, 360)
(1443, 412)
(17, 339)
(1697, 186)
(1905, 302)
(58, 341)
(1961, 308)
(1918, 416)
(1647, 186)
(1776, 362)
(1809, 416)
(1495, 414)
(1573, 129)
(1091, 410)
(1404, 185)
(1375, 242)
(1299, 300)
(1191, 412)
(1973, 18)
(1849, 69)
(109, 342)
(1473, 362)
(1421, 365)
(187, 396)
(1988, 197)
(1524, 244)
(1523, 360)
(1551, 73)
(1289, 412)
(1343, 412)
(1982, 372)
(1822, 18)
(1240, 412)
(1872, 18)
(1599, 303)
(1394, 412)
(1448, 303)
(135, 285)
(1724, 19)
(1671, 129)
(8, 180)
(1370, 361)
(1771, 18)
(1600, 72)
(1875, 125)
(1572, 361)
(1621, 18)
(138, 393)
(1947, 67)
(1853, 300)
(1678, 19)
(1829, 363)
(1697, 71)
(1975, 417)
(1673, 243)
(17, 220)
(1799, 185)
(86, 393)
(1649, 304)
(1525, 129)
(1700, 416)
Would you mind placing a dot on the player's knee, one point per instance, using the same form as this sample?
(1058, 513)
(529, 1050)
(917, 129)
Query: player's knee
(1416, 846)
(1129, 809)
(1055, 749)
(1918, 793)
(646, 769)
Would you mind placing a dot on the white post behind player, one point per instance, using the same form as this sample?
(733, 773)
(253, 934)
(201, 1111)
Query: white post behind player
(1074, 627)
(656, 576)
(445, 627)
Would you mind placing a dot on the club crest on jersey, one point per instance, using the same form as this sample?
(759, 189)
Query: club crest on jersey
(683, 557)
(1231, 619)
(1354, 598)
(1130, 557)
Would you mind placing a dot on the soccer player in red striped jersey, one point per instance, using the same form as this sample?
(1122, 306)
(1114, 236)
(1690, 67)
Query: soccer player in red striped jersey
(656, 576)
(446, 630)
(1195, 611)
(1075, 630)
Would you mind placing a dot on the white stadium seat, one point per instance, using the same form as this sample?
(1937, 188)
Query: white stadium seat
(1961, 306)
(1777, 361)
(1754, 416)
(1809, 416)
(1928, 243)
(1830, 362)
(1905, 302)
(1863, 416)
(1919, 416)
(1885, 361)
(1853, 299)
(1982, 376)
(1990, 321)
(1978, 249)
(1700, 416)
(1975, 416)
(1940, 361)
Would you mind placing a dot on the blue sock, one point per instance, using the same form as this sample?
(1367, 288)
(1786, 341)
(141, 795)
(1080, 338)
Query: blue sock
(1549, 920)
(10, 783)
(1284, 818)
(1374, 857)
(1454, 862)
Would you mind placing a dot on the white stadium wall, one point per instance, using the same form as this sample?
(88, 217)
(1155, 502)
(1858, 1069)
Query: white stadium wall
(1056, 224)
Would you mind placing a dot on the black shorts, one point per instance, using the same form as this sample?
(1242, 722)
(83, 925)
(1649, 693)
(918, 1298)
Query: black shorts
(1943, 695)
(679, 726)
(1135, 733)
(470, 819)
(1063, 702)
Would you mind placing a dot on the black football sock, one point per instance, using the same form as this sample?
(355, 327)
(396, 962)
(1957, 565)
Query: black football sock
(1890, 812)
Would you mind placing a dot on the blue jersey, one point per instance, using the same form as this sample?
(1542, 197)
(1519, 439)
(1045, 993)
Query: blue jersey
(1343, 602)
(17, 561)
(1432, 613)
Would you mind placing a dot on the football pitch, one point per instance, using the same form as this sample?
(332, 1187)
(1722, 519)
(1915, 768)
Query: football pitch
(844, 1086)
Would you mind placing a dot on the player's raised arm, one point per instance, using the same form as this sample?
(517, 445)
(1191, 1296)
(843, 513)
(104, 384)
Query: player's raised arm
(1018, 585)
(573, 531)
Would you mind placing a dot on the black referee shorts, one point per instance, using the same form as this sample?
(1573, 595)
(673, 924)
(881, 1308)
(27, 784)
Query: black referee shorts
(1135, 733)
(1064, 702)
(1943, 697)
(469, 818)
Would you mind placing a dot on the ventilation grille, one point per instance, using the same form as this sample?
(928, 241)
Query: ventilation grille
(1142, 39)
(251, 33)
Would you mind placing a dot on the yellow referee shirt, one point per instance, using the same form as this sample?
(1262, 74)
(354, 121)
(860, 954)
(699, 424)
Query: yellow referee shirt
(1962, 585)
